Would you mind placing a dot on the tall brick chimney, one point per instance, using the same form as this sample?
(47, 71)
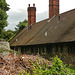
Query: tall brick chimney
(53, 8)
(31, 14)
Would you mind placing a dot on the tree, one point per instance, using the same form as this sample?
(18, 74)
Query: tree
(3, 16)
(7, 34)
(21, 25)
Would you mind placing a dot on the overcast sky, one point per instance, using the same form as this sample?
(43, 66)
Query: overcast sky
(18, 10)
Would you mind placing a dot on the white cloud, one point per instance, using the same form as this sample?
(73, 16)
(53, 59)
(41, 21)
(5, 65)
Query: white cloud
(18, 11)
(66, 5)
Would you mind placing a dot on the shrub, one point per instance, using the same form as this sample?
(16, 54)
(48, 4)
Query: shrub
(58, 68)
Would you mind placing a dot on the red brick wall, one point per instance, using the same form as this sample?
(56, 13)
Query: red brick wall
(31, 15)
(56, 7)
(50, 8)
(53, 8)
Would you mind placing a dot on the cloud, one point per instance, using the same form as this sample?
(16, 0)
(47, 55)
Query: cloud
(18, 11)
(14, 17)
(42, 16)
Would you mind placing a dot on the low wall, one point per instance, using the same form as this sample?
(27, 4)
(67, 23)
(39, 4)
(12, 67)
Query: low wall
(4, 45)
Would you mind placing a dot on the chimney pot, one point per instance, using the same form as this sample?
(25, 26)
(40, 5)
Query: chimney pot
(29, 5)
(33, 5)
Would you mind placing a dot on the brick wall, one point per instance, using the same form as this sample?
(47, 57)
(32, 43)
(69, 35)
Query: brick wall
(53, 8)
(31, 14)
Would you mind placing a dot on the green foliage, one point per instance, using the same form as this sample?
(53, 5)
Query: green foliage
(2, 50)
(24, 72)
(10, 51)
(40, 70)
(3, 16)
(12, 37)
(58, 68)
(21, 25)
(7, 34)
(4, 5)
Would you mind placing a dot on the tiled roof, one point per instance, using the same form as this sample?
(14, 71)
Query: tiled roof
(48, 31)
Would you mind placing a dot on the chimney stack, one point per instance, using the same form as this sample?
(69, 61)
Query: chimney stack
(31, 14)
(53, 8)
(29, 5)
(33, 5)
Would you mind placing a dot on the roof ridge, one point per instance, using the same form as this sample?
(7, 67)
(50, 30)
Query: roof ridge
(68, 11)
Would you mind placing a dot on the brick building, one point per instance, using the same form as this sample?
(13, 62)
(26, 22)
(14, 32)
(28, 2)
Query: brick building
(50, 37)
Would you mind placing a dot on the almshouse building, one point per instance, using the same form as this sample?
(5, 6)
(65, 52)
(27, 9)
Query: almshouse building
(50, 37)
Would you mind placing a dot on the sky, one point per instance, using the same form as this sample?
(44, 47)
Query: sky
(18, 10)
